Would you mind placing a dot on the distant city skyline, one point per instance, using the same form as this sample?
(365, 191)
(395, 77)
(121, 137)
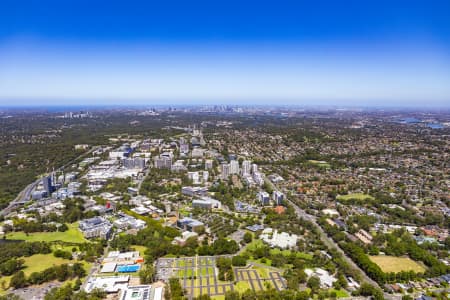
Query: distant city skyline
(255, 53)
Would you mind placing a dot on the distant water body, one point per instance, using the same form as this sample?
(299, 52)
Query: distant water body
(417, 121)
(435, 125)
(410, 121)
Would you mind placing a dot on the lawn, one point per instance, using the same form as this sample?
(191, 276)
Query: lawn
(196, 292)
(204, 281)
(141, 249)
(186, 273)
(6, 280)
(262, 272)
(266, 262)
(357, 196)
(203, 271)
(255, 244)
(61, 247)
(242, 286)
(287, 253)
(72, 235)
(320, 163)
(340, 293)
(396, 264)
(40, 262)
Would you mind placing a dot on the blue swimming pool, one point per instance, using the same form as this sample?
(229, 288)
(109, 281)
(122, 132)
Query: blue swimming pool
(128, 269)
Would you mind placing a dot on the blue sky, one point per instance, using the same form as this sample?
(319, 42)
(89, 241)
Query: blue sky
(394, 53)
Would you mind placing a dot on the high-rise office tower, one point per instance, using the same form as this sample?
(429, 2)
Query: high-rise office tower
(48, 186)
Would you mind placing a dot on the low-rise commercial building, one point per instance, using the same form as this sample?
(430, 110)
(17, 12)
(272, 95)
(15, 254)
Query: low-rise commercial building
(206, 203)
(96, 227)
(190, 224)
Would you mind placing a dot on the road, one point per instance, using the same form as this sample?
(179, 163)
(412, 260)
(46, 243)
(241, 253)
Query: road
(96, 267)
(25, 195)
(328, 241)
(146, 171)
(21, 198)
(331, 244)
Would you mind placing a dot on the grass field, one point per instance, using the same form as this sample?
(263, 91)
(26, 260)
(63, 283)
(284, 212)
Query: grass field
(396, 264)
(40, 262)
(242, 286)
(286, 253)
(186, 273)
(319, 163)
(141, 249)
(203, 281)
(340, 293)
(255, 244)
(72, 235)
(262, 272)
(203, 271)
(357, 196)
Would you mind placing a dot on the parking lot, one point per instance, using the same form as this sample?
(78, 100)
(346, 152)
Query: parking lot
(36, 292)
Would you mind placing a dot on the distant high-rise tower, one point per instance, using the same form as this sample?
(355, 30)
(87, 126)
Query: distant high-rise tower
(234, 167)
(246, 167)
(225, 170)
(278, 197)
(47, 183)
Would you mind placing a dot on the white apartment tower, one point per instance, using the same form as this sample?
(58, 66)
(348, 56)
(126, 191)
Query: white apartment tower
(225, 170)
(234, 167)
(246, 167)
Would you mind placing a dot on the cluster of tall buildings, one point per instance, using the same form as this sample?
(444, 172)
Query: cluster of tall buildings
(249, 171)
(197, 178)
(163, 161)
(134, 163)
(251, 174)
(121, 152)
(264, 198)
(79, 115)
(231, 168)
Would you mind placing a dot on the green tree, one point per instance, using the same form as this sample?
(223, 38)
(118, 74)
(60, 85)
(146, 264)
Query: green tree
(18, 280)
(232, 295)
(248, 237)
(313, 283)
(147, 274)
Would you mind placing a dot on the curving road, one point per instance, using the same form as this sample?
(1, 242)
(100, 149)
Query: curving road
(25, 195)
(330, 243)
